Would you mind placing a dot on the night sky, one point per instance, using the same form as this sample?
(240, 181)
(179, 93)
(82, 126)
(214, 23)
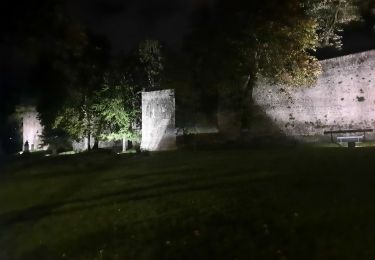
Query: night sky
(125, 23)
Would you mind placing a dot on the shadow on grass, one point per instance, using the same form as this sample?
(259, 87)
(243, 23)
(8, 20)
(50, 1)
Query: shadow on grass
(265, 229)
(315, 179)
(165, 188)
(161, 239)
(62, 166)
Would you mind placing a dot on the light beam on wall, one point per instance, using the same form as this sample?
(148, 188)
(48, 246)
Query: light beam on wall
(343, 98)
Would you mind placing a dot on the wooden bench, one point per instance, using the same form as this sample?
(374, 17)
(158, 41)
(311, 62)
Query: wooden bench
(350, 139)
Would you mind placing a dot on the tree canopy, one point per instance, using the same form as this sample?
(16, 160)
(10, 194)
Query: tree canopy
(151, 59)
(105, 105)
(240, 41)
(118, 104)
(274, 38)
(331, 17)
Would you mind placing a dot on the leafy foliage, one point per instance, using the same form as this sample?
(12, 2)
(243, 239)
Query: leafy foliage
(278, 49)
(118, 104)
(57, 140)
(151, 59)
(42, 37)
(112, 112)
(243, 40)
(78, 117)
(331, 17)
(84, 78)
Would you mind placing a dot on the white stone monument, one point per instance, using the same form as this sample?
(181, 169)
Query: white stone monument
(158, 121)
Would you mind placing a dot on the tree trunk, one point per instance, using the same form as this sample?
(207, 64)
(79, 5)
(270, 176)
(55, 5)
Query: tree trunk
(1, 153)
(97, 135)
(96, 144)
(89, 142)
(247, 101)
(229, 113)
(54, 150)
(123, 144)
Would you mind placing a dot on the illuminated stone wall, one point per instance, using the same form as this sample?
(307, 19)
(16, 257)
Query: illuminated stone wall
(158, 121)
(31, 129)
(343, 98)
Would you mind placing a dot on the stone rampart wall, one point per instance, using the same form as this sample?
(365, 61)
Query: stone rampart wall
(343, 98)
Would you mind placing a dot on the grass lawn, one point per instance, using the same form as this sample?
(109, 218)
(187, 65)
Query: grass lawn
(303, 203)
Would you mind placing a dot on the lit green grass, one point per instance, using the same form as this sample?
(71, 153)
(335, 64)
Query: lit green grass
(310, 203)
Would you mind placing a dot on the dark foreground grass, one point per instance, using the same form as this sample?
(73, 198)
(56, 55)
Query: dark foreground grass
(267, 204)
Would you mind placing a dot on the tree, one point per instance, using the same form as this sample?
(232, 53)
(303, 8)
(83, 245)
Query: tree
(118, 104)
(331, 17)
(63, 57)
(35, 35)
(78, 116)
(243, 41)
(151, 60)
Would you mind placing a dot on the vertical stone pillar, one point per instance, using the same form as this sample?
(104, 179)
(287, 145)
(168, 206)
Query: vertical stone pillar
(32, 129)
(158, 121)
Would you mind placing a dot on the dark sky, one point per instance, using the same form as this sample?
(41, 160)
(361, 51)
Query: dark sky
(126, 22)
(357, 37)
